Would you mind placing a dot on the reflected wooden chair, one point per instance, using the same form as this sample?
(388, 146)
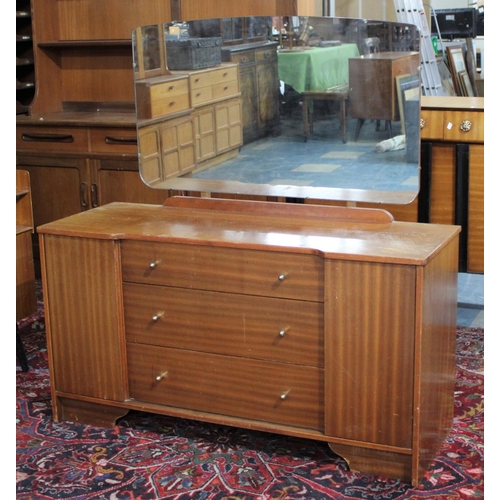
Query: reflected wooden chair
(339, 93)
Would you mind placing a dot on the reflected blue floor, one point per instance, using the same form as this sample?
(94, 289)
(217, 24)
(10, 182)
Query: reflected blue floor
(323, 161)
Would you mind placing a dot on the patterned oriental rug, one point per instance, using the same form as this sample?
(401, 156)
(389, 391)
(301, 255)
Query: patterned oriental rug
(154, 457)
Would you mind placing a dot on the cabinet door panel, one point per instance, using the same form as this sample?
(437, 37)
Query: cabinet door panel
(59, 187)
(120, 181)
(475, 230)
(369, 352)
(443, 181)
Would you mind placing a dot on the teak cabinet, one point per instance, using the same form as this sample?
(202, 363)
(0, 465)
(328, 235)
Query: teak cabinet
(326, 323)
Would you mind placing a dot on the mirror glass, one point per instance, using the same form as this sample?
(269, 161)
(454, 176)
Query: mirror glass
(299, 107)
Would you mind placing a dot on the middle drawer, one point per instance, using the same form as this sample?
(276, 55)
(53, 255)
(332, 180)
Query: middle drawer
(249, 272)
(238, 325)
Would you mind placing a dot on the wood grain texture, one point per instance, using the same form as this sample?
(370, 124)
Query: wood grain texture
(81, 333)
(443, 181)
(369, 350)
(395, 242)
(227, 385)
(433, 124)
(224, 269)
(224, 323)
(475, 234)
(25, 276)
(434, 355)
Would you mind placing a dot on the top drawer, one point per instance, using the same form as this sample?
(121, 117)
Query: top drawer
(213, 77)
(454, 126)
(52, 138)
(250, 272)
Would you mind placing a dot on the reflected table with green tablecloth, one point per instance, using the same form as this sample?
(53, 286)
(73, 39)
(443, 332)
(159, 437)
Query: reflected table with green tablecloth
(318, 73)
(316, 68)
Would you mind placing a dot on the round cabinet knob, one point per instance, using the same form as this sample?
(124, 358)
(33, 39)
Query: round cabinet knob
(153, 264)
(465, 126)
(283, 332)
(282, 276)
(422, 123)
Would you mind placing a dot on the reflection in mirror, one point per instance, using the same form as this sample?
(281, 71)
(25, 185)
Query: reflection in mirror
(300, 107)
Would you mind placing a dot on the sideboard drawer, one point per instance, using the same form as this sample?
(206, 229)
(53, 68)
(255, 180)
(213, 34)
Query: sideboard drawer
(272, 392)
(52, 139)
(113, 140)
(237, 325)
(250, 272)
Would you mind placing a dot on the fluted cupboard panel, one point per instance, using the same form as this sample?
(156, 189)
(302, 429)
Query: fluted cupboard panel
(370, 308)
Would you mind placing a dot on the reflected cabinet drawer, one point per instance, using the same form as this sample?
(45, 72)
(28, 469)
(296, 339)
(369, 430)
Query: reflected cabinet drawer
(252, 389)
(251, 272)
(238, 325)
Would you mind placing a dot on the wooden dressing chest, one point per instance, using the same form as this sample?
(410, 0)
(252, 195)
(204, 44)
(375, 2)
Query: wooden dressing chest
(327, 323)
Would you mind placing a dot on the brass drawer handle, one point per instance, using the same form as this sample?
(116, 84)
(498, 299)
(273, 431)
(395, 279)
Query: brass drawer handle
(120, 140)
(161, 376)
(157, 316)
(422, 123)
(48, 137)
(282, 333)
(466, 126)
(284, 395)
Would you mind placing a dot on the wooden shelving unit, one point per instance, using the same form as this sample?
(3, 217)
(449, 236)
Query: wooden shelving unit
(25, 67)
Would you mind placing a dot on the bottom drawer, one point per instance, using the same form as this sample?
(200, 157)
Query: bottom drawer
(258, 390)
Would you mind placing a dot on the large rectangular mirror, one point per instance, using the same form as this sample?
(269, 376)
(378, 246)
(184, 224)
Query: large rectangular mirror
(298, 107)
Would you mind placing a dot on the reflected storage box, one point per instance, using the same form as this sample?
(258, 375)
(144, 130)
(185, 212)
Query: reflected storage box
(193, 53)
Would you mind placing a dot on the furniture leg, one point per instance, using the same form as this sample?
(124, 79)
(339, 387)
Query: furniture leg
(359, 124)
(343, 120)
(305, 117)
(20, 352)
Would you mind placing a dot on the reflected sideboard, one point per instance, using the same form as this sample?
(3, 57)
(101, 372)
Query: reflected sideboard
(328, 323)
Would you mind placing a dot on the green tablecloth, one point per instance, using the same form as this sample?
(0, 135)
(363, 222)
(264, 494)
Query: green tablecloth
(317, 68)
